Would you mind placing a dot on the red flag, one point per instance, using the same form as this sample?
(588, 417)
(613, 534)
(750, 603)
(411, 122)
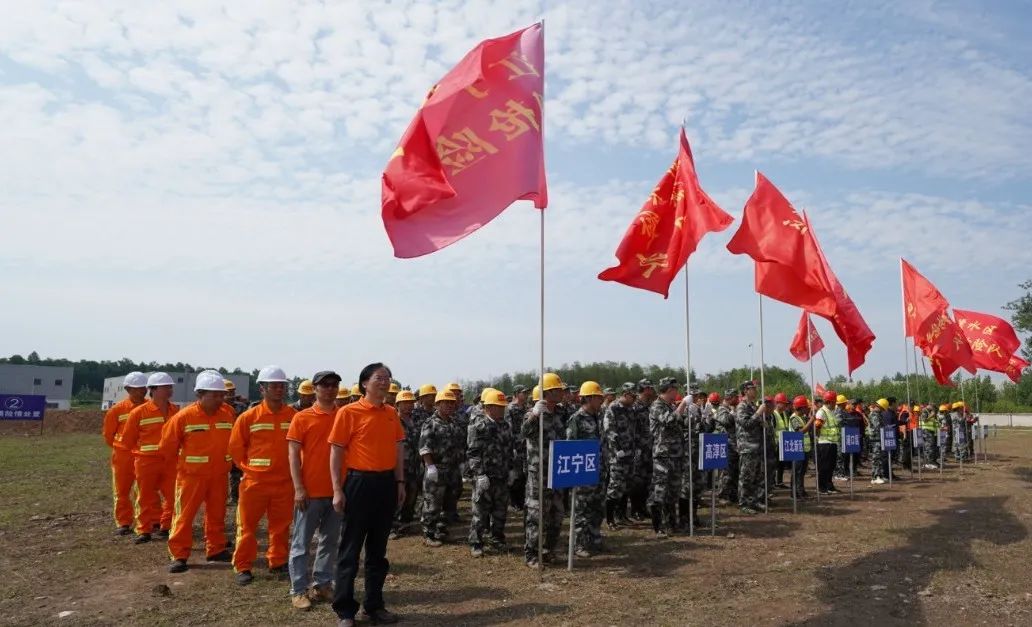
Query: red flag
(667, 229)
(819, 390)
(921, 299)
(992, 339)
(1014, 368)
(942, 340)
(788, 264)
(802, 349)
(474, 147)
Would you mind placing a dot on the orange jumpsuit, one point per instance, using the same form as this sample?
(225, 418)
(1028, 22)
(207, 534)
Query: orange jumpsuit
(199, 440)
(155, 470)
(122, 475)
(258, 446)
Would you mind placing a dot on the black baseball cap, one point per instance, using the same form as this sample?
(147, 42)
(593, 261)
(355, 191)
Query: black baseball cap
(322, 375)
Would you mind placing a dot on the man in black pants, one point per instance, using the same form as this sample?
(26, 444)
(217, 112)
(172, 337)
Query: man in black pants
(368, 439)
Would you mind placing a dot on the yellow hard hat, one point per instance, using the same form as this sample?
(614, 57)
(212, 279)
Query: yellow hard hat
(454, 387)
(535, 394)
(494, 397)
(306, 387)
(343, 392)
(883, 403)
(230, 385)
(841, 399)
(427, 388)
(590, 388)
(394, 389)
(355, 390)
(944, 407)
(485, 393)
(405, 396)
(958, 405)
(444, 395)
(552, 381)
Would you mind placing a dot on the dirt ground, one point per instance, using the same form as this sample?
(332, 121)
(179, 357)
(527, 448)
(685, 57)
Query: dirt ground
(950, 551)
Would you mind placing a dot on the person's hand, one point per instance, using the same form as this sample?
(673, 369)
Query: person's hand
(539, 408)
(483, 482)
(300, 499)
(338, 501)
(512, 477)
(401, 493)
(431, 473)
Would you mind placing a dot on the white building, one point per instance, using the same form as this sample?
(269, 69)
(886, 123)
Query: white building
(182, 390)
(54, 382)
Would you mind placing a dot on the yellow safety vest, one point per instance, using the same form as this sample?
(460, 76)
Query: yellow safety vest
(796, 421)
(829, 433)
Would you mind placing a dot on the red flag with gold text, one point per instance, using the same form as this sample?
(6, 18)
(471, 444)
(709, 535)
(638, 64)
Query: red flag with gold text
(992, 339)
(474, 147)
(921, 299)
(1015, 367)
(802, 348)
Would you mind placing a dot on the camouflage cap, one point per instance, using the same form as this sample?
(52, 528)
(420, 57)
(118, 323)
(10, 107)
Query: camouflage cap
(728, 393)
(518, 388)
(645, 383)
(609, 391)
(667, 383)
(747, 385)
(628, 388)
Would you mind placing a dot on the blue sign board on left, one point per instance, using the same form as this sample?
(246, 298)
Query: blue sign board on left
(22, 406)
(573, 463)
(714, 451)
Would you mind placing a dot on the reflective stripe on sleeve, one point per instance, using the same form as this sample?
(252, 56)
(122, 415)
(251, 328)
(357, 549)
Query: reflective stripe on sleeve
(149, 448)
(254, 461)
(157, 420)
(197, 459)
(189, 428)
(262, 426)
(223, 425)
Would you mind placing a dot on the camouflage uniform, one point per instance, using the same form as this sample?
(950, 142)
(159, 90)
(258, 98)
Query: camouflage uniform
(619, 449)
(413, 474)
(489, 451)
(961, 434)
(589, 511)
(514, 415)
(749, 429)
(438, 438)
(420, 416)
(727, 480)
(691, 491)
(667, 429)
(551, 505)
(928, 418)
(641, 475)
(879, 460)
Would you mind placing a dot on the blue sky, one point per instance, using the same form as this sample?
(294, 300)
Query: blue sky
(200, 183)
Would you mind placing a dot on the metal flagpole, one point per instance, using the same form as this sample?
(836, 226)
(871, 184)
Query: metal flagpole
(813, 405)
(573, 517)
(541, 422)
(826, 368)
(920, 451)
(763, 392)
(688, 390)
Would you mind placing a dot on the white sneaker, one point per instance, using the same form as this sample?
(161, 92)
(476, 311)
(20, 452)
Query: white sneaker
(931, 467)
(878, 481)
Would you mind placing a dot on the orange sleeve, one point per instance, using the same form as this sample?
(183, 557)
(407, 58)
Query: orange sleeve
(239, 437)
(172, 434)
(399, 433)
(111, 423)
(340, 434)
(296, 430)
(131, 431)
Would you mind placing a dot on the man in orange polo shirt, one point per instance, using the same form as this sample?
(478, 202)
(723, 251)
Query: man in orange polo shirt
(155, 471)
(258, 446)
(199, 435)
(309, 450)
(122, 473)
(367, 439)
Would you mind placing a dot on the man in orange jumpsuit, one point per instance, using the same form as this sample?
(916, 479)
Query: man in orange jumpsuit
(199, 436)
(155, 471)
(258, 446)
(122, 475)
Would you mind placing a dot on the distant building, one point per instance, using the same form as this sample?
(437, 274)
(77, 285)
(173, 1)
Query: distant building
(54, 382)
(182, 391)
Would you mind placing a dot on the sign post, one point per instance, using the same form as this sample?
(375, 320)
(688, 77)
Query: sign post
(851, 445)
(888, 442)
(985, 439)
(713, 457)
(918, 440)
(960, 445)
(791, 449)
(573, 463)
(942, 435)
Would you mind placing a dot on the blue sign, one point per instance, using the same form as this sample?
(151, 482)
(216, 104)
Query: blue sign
(888, 438)
(22, 406)
(791, 447)
(975, 432)
(573, 463)
(960, 435)
(918, 439)
(850, 439)
(943, 436)
(714, 451)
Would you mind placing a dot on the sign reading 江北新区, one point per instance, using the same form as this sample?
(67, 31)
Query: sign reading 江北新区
(791, 447)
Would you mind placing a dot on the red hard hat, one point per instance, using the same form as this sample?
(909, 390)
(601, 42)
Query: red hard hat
(767, 399)
(830, 396)
(799, 402)
(780, 397)
(714, 397)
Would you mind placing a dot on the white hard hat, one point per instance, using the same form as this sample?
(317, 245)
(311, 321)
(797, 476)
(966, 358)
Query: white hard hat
(272, 374)
(159, 379)
(135, 380)
(210, 380)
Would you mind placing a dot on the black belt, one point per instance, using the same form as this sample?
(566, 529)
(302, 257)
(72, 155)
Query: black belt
(371, 473)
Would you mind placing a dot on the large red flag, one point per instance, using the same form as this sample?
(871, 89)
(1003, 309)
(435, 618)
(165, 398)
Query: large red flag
(849, 325)
(801, 348)
(943, 341)
(921, 300)
(1014, 368)
(788, 265)
(474, 147)
(667, 228)
(992, 339)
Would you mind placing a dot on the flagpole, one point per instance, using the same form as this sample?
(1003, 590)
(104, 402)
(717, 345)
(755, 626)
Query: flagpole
(541, 422)
(763, 393)
(813, 403)
(826, 368)
(688, 390)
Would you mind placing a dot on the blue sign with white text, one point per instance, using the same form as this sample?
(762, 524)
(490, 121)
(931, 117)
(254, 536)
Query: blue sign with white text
(22, 406)
(791, 447)
(888, 438)
(918, 439)
(943, 436)
(714, 451)
(850, 439)
(573, 463)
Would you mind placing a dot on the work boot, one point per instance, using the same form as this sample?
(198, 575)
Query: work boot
(124, 530)
(221, 556)
(321, 594)
(178, 566)
(657, 519)
(610, 521)
(161, 534)
(300, 602)
(244, 578)
(477, 550)
(621, 512)
(141, 538)
(582, 552)
(379, 616)
(432, 542)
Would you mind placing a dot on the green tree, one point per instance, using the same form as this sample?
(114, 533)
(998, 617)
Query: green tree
(1022, 317)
